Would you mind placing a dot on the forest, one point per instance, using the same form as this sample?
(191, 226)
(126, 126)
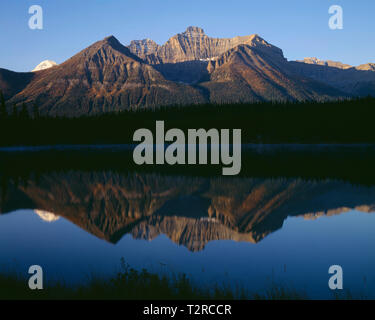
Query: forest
(334, 122)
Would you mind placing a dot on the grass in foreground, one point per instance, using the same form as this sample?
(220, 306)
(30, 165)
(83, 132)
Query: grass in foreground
(130, 284)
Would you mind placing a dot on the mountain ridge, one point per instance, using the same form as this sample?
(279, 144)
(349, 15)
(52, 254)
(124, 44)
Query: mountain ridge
(190, 68)
(194, 44)
(98, 79)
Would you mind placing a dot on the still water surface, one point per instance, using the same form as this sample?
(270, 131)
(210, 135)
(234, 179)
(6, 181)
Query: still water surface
(242, 231)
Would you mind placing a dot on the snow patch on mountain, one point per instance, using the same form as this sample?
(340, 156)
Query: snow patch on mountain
(45, 65)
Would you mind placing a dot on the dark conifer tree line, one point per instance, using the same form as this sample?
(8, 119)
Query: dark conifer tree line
(346, 121)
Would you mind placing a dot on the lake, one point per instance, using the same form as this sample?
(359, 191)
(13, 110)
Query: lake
(292, 213)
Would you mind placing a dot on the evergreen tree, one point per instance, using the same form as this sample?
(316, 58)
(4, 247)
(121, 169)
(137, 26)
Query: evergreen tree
(3, 109)
(15, 112)
(36, 113)
(24, 112)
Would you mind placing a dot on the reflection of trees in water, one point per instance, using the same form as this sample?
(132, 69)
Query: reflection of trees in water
(190, 210)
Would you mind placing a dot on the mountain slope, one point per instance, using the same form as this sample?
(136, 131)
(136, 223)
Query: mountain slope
(13, 82)
(240, 69)
(357, 81)
(248, 73)
(104, 77)
(190, 68)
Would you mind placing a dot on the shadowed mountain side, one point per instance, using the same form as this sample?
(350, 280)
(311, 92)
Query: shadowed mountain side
(247, 73)
(191, 72)
(13, 82)
(357, 81)
(190, 211)
(104, 77)
(240, 69)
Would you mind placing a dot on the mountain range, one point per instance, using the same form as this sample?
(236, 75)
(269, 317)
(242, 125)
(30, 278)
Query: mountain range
(190, 68)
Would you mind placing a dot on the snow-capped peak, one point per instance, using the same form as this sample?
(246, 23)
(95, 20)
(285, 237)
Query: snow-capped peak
(45, 65)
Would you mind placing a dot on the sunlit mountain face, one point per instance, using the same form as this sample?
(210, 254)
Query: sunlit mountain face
(190, 68)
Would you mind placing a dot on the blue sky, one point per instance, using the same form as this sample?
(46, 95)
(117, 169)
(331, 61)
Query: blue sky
(299, 27)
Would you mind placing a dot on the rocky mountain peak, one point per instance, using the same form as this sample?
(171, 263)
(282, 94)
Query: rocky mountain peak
(107, 49)
(255, 39)
(113, 42)
(194, 30)
(110, 38)
(194, 45)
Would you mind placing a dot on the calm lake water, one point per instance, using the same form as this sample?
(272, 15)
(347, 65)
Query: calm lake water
(76, 218)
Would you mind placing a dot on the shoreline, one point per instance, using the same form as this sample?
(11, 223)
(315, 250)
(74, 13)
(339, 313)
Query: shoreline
(129, 146)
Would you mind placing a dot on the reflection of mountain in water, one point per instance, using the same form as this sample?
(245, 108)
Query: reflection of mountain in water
(46, 216)
(190, 211)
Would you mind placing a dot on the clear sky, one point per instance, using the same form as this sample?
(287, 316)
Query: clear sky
(299, 27)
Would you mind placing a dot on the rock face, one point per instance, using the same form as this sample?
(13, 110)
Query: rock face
(194, 44)
(143, 48)
(256, 73)
(190, 68)
(104, 77)
(191, 211)
(45, 65)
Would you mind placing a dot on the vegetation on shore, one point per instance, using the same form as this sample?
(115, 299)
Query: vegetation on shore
(346, 121)
(131, 284)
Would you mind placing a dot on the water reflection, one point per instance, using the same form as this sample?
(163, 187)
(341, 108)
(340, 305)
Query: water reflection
(191, 211)
(284, 218)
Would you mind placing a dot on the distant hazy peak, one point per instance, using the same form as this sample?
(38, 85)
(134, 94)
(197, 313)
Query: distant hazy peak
(312, 60)
(366, 67)
(45, 65)
(328, 63)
